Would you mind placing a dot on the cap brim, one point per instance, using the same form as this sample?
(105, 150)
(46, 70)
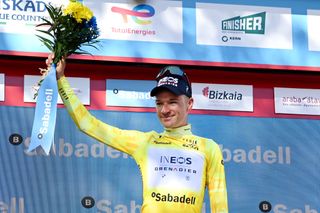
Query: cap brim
(169, 88)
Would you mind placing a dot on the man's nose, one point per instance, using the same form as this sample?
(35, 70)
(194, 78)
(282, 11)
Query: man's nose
(165, 109)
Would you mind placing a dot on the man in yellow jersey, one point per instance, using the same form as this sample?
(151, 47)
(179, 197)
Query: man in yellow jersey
(176, 166)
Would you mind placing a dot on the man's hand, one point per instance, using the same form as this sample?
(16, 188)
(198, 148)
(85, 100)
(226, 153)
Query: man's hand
(60, 66)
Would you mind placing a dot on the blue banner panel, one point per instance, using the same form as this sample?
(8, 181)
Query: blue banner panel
(207, 32)
(271, 164)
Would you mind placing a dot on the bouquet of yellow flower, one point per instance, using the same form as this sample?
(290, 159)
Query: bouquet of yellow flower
(69, 29)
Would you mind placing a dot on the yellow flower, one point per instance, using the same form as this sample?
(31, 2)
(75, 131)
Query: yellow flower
(78, 11)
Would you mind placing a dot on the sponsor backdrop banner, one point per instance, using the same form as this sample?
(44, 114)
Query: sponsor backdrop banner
(223, 97)
(271, 164)
(136, 93)
(158, 21)
(244, 26)
(80, 86)
(297, 101)
(208, 32)
(2, 87)
(131, 93)
(313, 32)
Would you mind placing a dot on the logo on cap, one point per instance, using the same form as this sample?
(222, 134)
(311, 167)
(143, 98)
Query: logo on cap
(168, 81)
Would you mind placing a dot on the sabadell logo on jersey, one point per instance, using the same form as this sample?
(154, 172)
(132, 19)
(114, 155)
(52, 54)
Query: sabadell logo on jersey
(221, 94)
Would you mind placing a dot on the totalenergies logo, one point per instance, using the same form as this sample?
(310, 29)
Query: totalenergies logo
(138, 12)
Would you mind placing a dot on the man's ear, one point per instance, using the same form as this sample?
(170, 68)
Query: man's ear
(190, 104)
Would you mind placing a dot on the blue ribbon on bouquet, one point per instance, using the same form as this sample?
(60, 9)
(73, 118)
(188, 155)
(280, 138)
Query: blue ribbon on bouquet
(45, 113)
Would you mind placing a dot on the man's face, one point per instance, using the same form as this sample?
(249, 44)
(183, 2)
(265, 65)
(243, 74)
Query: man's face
(172, 110)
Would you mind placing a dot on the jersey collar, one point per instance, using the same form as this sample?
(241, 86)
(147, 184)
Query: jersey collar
(180, 131)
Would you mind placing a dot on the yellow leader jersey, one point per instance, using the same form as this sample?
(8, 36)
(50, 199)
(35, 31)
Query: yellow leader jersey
(175, 165)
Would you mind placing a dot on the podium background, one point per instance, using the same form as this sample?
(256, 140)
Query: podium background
(269, 157)
(271, 160)
(79, 167)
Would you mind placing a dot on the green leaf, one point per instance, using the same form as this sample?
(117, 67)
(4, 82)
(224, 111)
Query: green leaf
(81, 52)
(50, 10)
(45, 39)
(43, 24)
(49, 45)
(91, 45)
(46, 32)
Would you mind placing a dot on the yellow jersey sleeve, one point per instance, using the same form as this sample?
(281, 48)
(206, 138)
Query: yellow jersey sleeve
(127, 141)
(216, 181)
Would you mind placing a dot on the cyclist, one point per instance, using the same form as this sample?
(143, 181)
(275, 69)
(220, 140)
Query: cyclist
(176, 166)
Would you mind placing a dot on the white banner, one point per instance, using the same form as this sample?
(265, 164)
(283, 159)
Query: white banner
(81, 87)
(158, 21)
(297, 101)
(222, 97)
(243, 26)
(1, 87)
(22, 16)
(314, 30)
(129, 93)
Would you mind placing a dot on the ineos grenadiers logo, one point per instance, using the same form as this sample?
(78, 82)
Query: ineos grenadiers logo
(168, 81)
(252, 24)
(175, 160)
(175, 164)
